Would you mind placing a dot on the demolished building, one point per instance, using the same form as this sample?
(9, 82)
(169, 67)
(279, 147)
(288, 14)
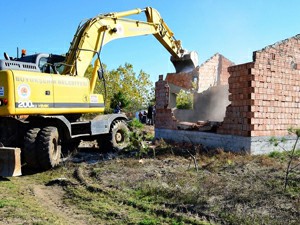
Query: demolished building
(242, 106)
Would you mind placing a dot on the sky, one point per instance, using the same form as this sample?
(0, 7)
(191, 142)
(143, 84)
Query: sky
(233, 28)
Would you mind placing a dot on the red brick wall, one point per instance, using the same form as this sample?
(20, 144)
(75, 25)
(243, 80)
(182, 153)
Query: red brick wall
(208, 73)
(265, 94)
(276, 86)
(164, 117)
(238, 115)
(224, 74)
(213, 72)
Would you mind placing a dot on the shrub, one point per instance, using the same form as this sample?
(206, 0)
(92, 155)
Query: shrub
(184, 100)
(135, 123)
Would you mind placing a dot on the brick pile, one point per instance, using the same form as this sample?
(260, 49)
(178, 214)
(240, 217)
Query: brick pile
(265, 94)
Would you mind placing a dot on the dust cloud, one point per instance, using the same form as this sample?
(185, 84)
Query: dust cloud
(208, 105)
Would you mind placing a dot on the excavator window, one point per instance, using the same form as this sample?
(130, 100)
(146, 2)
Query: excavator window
(52, 64)
(59, 67)
(43, 64)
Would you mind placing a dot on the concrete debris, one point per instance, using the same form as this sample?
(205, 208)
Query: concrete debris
(210, 126)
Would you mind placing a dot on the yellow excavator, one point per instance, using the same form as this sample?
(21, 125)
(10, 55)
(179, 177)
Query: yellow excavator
(53, 93)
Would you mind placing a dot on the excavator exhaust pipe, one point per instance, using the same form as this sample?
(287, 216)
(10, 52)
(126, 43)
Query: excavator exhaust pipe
(187, 63)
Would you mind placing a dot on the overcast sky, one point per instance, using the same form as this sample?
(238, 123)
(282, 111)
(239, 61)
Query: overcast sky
(234, 28)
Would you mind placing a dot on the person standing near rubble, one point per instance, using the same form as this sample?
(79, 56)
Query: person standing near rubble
(149, 115)
(141, 116)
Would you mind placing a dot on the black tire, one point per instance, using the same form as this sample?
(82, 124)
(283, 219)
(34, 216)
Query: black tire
(49, 148)
(104, 143)
(69, 147)
(117, 139)
(30, 148)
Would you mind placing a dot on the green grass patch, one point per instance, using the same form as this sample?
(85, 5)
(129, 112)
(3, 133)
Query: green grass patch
(135, 123)
(283, 155)
(149, 222)
(8, 203)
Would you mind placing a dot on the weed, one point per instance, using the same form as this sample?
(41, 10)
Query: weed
(149, 137)
(2, 203)
(276, 154)
(139, 138)
(148, 222)
(291, 155)
(283, 155)
(135, 123)
(137, 144)
(177, 223)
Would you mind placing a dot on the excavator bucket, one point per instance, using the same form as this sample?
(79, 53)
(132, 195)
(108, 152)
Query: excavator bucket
(10, 162)
(187, 63)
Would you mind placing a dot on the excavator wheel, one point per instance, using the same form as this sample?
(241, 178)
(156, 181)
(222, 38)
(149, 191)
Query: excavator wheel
(29, 152)
(49, 148)
(104, 143)
(70, 147)
(117, 139)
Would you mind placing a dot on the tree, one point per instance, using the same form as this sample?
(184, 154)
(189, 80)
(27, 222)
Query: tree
(123, 80)
(119, 97)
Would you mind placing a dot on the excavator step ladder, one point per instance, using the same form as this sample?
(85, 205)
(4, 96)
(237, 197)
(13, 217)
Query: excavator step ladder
(10, 162)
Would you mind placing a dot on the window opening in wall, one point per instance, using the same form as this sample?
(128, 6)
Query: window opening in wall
(184, 100)
(195, 83)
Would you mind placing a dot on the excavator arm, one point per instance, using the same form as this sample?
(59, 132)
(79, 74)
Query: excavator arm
(94, 33)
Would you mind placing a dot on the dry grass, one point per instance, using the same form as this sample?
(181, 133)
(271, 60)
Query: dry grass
(228, 188)
(162, 186)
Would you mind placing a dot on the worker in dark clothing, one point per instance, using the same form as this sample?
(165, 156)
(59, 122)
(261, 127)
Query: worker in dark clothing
(141, 116)
(118, 108)
(149, 115)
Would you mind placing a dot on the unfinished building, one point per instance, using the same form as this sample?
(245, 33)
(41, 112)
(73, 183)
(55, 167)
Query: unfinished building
(238, 107)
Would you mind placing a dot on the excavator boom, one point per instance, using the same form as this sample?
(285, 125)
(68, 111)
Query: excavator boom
(94, 33)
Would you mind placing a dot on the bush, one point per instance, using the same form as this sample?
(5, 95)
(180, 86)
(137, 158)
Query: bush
(184, 100)
(135, 123)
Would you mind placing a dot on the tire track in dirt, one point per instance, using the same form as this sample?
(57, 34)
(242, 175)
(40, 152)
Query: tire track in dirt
(51, 198)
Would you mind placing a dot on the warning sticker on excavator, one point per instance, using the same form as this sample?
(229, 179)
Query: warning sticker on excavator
(1, 91)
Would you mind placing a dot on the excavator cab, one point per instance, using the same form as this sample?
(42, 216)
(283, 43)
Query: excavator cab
(187, 63)
(41, 62)
(47, 63)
